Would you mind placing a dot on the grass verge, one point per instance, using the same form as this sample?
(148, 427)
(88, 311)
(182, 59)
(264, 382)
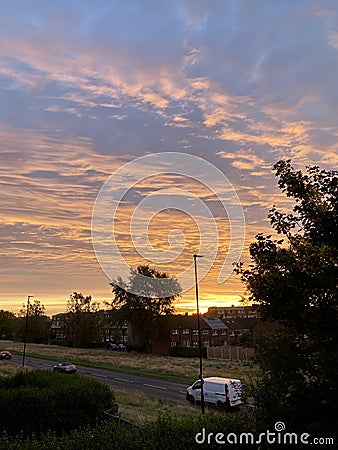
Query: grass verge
(172, 368)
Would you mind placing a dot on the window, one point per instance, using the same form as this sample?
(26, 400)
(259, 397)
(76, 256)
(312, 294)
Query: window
(197, 385)
(186, 343)
(232, 333)
(195, 332)
(174, 331)
(185, 331)
(214, 332)
(173, 344)
(205, 331)
(223, 332)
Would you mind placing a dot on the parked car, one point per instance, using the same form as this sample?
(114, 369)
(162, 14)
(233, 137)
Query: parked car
(5, 355)
(116, 347)
(65, 367)
(222, 392)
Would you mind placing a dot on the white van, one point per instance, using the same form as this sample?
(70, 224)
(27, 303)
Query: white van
(222, 392)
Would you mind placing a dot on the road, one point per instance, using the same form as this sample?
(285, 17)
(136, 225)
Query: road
(152, 387)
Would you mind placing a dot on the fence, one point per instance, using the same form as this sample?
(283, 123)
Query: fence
(118, 419)
(230, 353)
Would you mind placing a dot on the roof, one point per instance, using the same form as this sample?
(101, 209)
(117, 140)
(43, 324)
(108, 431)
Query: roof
(221, 379)
(176, 321)
(239, 323)
(215, 323)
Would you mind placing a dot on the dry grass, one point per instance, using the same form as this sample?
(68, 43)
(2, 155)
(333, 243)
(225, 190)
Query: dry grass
(139, 409)
(184, 368)
(7, 370)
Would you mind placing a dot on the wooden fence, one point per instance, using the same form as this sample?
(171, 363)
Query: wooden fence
(231, 353)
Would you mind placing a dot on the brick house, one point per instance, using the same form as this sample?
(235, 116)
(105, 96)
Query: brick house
(237, 326)
(182, 331)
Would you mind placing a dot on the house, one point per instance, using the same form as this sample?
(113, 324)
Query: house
(231, 312)
(219, 331)
(182, 331)
(237, 326)
(58, 327)
(114, 330)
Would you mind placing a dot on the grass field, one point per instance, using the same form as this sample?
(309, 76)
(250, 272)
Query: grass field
(180, 369)
(137, 408)
(140, 409)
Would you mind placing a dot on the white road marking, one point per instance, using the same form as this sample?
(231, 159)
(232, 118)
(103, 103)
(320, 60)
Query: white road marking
(182, 392)
(157, 387)
(123, 379)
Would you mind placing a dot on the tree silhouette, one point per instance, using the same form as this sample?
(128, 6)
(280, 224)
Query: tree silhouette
(83, 320)
(151, 300)
(294, 280)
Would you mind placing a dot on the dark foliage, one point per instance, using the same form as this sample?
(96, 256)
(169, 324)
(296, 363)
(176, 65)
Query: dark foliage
(39, 401)
(294, 280)
(164, 434)
(143, 299)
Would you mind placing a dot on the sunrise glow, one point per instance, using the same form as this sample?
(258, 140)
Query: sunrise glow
(87, 87)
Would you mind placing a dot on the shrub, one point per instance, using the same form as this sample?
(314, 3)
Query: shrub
(138, 348)
(166, 434)
(38, 401)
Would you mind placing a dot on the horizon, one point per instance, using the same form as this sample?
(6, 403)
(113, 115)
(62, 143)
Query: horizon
(55, 307)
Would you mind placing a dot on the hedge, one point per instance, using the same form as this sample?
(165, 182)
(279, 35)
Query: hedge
(39, 401)
(166, 434)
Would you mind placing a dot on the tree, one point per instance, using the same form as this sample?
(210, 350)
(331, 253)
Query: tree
(7, 324)
(38, 323)
(142, 302)
(82, 321)
(294, 280)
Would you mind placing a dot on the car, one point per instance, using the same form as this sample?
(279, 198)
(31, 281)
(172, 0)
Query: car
(116, 347)
(222, 392)
(65, 367)
(5, 355)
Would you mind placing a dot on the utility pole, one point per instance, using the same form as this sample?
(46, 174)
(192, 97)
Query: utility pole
(199, 334)
(26, 330)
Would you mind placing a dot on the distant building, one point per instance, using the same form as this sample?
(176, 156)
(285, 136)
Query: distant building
(232, 312)
(58, 327)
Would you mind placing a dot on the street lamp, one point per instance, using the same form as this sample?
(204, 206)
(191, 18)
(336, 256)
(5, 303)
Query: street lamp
(26, 329)
(199, 333)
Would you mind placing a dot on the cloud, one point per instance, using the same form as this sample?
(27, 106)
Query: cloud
(86, 88)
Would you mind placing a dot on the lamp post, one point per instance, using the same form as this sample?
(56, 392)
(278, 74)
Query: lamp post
(199, 333)
(26, 329)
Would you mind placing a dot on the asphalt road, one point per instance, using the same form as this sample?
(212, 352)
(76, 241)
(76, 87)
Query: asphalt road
(150, 386)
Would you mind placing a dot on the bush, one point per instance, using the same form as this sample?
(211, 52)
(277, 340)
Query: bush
(38, 401)
(99, 345)
(166, 434)
(138, 348)
(60, 342)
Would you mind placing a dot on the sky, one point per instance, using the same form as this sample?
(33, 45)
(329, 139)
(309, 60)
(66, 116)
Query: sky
(209, 95)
